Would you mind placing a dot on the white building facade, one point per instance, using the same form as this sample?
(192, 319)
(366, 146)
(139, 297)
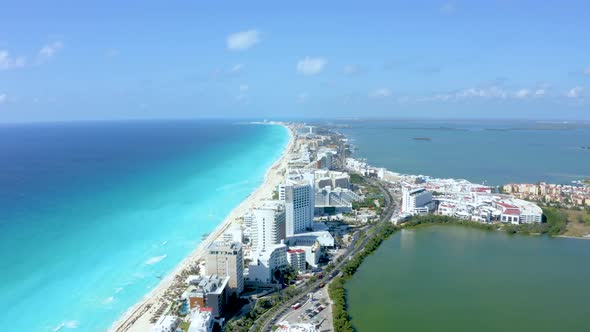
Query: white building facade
(296, 258)
(299, 207)
(268, 225)
(416, 200)
(265, 263)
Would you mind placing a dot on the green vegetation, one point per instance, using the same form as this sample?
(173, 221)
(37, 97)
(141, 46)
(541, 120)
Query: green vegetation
(336, 289)
(264, 305)
(368, 202)
(184, 326)
(356, 179)
(555, 223)
(430, 219)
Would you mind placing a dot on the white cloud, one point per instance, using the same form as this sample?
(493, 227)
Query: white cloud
(381, 93)
(311, 66)
(587, 71)
(243, 40)
(236, 68)
(575, 92)
(3, 98)
(540, 92)
(490, 92)
(522, 93)
(7, 62)
(50, 50)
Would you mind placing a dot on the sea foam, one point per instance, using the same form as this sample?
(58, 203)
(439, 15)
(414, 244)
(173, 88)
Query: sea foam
(155, 259)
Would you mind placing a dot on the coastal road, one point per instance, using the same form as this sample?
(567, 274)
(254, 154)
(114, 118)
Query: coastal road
(268, 319)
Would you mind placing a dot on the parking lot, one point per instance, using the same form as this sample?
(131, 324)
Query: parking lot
(317, 312)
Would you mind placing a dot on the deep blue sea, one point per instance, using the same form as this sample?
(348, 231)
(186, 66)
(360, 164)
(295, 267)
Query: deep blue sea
(492, 151)
(93, 214)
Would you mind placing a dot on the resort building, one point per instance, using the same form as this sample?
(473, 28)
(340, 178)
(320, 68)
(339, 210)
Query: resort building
(225, 258)
(325, 158)
(416, 200)
(311, 243)
(166, 323)
(201, 320)
(296, 258)
(299, 197)
(265, 263)
(207, 291)
(518, 211)
(332, 179)
(332, 201)
(248, 218)
(268, 225)
(234, 233)
(485, 207)
(285, 326)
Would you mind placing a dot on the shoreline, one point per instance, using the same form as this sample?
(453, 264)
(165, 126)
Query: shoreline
(137, 317)
(573, 237)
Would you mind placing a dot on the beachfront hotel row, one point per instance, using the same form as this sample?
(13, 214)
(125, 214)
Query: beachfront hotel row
(276, 234)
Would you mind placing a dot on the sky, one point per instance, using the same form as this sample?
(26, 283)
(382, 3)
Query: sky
(103, 60)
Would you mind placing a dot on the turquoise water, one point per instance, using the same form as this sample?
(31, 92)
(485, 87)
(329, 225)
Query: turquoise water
(92, 215)
(458, 279)
(494, 152)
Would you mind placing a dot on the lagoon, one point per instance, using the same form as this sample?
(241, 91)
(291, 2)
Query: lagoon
(452, 278)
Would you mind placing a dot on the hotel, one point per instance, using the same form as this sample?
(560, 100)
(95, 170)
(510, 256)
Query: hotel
(226, 258)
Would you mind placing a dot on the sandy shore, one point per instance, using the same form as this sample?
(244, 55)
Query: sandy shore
(137, 319)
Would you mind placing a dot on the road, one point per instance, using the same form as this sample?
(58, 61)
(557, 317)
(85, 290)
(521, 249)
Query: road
(267, 320)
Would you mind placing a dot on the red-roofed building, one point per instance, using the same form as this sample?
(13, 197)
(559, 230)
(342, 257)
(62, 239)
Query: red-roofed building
(296, 258)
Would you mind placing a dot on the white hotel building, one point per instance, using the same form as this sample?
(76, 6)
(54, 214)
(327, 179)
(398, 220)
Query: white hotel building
(268, 225)
(265, 263)
(416, 200)
(299, 196)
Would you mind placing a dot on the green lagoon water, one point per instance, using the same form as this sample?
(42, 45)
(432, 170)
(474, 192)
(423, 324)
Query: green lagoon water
(449, 278)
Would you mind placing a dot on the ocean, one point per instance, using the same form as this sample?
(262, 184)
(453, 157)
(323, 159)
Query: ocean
(93, 215)
(492, 152)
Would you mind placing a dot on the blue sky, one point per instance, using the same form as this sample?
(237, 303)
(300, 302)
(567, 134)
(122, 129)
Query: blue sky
(83, 60)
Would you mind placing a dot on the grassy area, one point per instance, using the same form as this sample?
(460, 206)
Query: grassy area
(184, 326)
(356, 179)
(577, 222)
(555, 223)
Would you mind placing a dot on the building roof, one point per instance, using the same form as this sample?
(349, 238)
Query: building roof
(506, 205)
(514, 212)
(200, 286)
(225, 245)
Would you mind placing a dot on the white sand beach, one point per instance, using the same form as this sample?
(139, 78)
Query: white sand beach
(137, 318)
